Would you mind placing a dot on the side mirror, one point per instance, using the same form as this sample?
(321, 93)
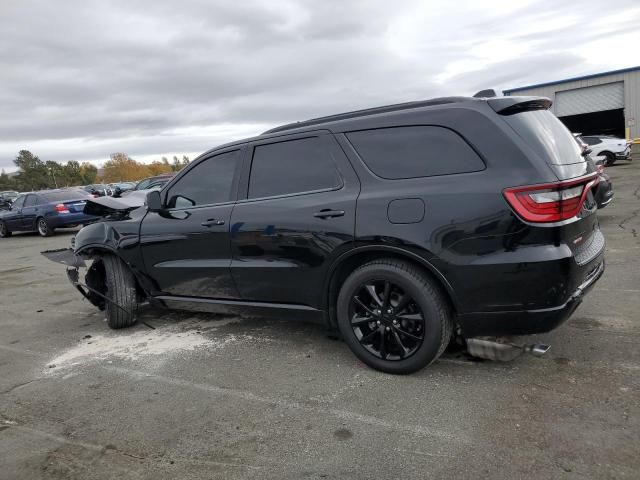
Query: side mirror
(153, 201)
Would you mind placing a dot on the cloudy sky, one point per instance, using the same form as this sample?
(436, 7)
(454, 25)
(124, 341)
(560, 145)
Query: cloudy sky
(81, 79)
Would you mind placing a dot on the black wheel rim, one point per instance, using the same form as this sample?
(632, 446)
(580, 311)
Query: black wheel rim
(386, 320)
(42, 226)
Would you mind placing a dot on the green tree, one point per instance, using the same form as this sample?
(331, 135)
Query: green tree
(56, 174)
(72, 173)
(88, 173)
(6, 182)
(32, 173)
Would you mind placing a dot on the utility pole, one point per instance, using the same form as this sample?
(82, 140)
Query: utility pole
(54, 177)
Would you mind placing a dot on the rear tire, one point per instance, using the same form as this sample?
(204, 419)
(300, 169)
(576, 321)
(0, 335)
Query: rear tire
(121, 289)
(389, 343)
(4, 230)
(610, 158)
(43, 227)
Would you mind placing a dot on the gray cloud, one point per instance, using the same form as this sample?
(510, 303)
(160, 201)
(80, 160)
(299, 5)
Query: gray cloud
(80, 79)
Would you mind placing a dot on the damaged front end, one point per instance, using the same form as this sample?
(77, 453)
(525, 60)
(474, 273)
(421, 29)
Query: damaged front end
(93, 289)
(113, 234)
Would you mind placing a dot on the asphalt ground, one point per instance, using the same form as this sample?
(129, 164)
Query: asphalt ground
(206, 396)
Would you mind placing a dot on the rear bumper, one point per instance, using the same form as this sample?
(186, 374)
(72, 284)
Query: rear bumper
(526, 322)
(69, 219)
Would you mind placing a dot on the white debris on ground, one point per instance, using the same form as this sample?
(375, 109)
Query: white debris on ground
(152, 345)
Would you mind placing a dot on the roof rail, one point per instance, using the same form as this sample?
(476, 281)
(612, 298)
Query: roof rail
(367, 111)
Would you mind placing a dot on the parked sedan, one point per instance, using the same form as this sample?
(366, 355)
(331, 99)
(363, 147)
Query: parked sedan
(7, 198)
(45, 211)
(608, 148)
(97, 190)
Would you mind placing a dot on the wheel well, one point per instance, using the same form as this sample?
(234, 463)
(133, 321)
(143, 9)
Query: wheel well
(96, 273)
(347, 266)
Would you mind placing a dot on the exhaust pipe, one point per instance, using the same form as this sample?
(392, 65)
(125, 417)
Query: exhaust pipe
(502, 352)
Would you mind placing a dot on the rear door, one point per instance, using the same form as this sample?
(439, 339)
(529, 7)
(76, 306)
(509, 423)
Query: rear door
(297, 216)
(186, 247)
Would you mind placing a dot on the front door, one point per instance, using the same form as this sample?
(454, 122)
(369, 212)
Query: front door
(30, 212)
(298, 216)
(13, 218)
(186, 246)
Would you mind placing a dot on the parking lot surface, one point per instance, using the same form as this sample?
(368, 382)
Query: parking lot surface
(206, 396)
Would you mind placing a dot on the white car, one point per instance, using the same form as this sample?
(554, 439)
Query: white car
(608, 148)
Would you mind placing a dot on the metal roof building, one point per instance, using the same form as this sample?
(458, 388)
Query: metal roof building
(603, 103)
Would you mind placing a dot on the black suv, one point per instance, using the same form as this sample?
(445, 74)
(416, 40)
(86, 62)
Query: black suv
(400, 225)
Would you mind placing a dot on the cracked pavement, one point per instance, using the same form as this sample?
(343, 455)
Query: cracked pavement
(206, 396)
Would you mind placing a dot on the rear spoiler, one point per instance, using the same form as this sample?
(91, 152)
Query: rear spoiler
(513, 105)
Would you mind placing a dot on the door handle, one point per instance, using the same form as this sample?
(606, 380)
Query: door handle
(212, 222)
(329, 213)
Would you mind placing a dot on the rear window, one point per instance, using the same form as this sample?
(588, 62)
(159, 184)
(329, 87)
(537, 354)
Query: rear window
(415, 151)
(65, 195)
(547, 136)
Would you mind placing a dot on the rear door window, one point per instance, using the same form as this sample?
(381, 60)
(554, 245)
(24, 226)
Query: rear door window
(209, 182)
(31, 201)
(414, 151)
(290, 167)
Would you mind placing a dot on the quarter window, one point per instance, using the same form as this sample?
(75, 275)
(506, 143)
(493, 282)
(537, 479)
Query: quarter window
(209, 182)
(294, 166)
(415, 151)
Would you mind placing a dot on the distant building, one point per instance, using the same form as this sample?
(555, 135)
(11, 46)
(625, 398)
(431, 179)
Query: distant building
(603, 103)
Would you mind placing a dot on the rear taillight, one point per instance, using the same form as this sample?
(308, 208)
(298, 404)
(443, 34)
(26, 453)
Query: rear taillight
(60, 208)
(550, 202)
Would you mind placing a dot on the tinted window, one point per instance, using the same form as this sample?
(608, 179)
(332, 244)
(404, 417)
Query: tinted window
(295, 166)
(547, 136)
(18, 203)
(31, 201)
(416, 151)
(209, 182)
(66, 195)
(591, 140)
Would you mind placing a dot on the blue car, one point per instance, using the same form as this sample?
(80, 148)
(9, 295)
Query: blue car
(45, 211)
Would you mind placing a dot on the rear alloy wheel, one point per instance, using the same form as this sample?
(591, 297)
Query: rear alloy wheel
(610, 159)
(43, 228)
(4, 230)
(393, 317)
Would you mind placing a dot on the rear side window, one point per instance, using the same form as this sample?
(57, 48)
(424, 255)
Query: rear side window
(209, 182)
(294, 166)
(547, 136)
(415, 151)
(591, 140)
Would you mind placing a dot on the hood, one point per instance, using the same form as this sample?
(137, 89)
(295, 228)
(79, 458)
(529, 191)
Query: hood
(109, 206)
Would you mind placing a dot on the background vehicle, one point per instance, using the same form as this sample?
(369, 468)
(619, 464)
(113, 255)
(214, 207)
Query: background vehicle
(7, 198)
(157, 181)
(119, 188)
(97, 190)
(399, 225)
(45, 211)
(608, 148)
(603, 190)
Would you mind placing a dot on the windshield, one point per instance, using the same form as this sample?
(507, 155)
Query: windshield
(547, 136)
